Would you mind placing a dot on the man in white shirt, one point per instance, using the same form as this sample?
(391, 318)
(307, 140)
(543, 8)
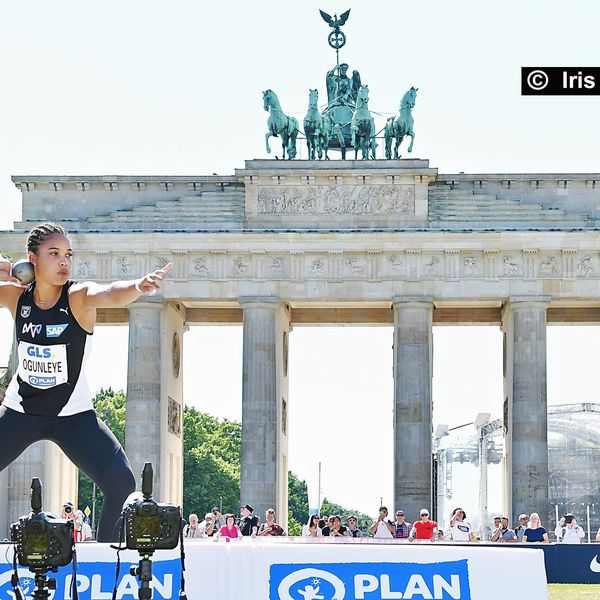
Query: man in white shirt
(383, 528)
(568, 531)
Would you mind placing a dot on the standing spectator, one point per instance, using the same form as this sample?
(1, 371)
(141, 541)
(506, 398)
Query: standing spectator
(353, 529)
(522, 526)
(249, 522)
(230, 530)
(424, 529)
(82, 531)
(192, 528)
(207, 527)
(460, 529)
(504, 534)
(218, 518)
(402, 527)
(337, 529)
(568, 531)
(312, 529)
(68, 511)
(383, 528)
(535, 532)
(269, 527)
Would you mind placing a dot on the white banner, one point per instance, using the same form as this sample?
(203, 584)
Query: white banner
(292, 569)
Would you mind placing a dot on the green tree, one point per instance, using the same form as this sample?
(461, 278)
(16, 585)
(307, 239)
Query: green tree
(211, 463)
(297, 499)
(329, 508)
(110, 407)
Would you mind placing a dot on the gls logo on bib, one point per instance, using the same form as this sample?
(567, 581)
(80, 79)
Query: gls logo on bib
(370, 581)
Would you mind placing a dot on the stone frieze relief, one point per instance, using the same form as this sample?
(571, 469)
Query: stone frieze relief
(336, 200)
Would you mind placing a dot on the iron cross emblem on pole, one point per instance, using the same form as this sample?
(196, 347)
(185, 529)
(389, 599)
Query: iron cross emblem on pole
(336, 38)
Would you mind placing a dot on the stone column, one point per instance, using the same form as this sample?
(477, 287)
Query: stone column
(412, 404)
(142, 417)
(526, 421)
(264, 406)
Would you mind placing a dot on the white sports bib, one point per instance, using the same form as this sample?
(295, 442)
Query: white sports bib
(43, 367)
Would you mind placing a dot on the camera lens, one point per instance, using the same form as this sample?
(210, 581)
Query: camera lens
(68, 509)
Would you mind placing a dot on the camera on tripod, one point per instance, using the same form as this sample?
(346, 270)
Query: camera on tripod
(150, 525)
(42, 541)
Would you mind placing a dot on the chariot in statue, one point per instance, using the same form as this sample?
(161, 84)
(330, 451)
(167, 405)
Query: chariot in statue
(345, 121)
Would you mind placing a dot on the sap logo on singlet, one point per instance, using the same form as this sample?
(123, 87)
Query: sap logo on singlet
(39, 351)
(370, 581)
(55, 330)
(32, 329)
(95, 581)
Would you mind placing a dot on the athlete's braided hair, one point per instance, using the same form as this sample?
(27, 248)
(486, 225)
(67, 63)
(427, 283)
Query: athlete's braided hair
(39, 234)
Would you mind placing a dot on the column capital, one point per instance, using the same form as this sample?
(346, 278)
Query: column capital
(412, 301)
(269, 302)
(525, 302)
(147, 302)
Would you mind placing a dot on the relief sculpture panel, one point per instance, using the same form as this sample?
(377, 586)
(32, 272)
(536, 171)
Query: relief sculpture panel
(336, 200)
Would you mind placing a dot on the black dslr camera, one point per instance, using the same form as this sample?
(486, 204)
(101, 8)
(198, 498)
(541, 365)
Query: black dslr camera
(42, 541)
(149, 525)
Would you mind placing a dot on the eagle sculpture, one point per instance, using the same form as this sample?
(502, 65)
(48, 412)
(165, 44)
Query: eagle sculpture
(334, 21)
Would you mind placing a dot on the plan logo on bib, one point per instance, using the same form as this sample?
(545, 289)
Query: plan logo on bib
(370, 581)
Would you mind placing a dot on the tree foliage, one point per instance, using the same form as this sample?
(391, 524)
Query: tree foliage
(211, 463)
(330, 508)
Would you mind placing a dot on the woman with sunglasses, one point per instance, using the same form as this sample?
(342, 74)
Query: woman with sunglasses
(312, 529)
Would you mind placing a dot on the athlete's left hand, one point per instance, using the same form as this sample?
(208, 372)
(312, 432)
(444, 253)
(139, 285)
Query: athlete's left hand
(150, 284)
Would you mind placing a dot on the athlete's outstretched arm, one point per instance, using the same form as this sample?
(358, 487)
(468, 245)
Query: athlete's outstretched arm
(119, 293)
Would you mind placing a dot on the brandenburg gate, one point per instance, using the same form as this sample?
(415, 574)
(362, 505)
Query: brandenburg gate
(284, 243)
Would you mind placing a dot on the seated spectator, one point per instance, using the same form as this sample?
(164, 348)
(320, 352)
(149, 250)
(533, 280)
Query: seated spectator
(192, 527)
(425, 529)
(568, 531)
(496, 528)
(353, 529)
(337, 529)
(460, 528)
(402, 527)
(328, 525)
(230, 530)
(522, 526)
(207, 527)
(383, 528)
(504, 534)
(312, 529)
(535, 532)
(269, 527)
(440, 535)
(248, 523)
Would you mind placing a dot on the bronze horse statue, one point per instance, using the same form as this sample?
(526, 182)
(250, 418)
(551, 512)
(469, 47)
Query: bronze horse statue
(280, 124)
(402, 125)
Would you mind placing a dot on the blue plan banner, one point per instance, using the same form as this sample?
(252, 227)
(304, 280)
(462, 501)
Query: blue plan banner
(95, 581)
(370, 581)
